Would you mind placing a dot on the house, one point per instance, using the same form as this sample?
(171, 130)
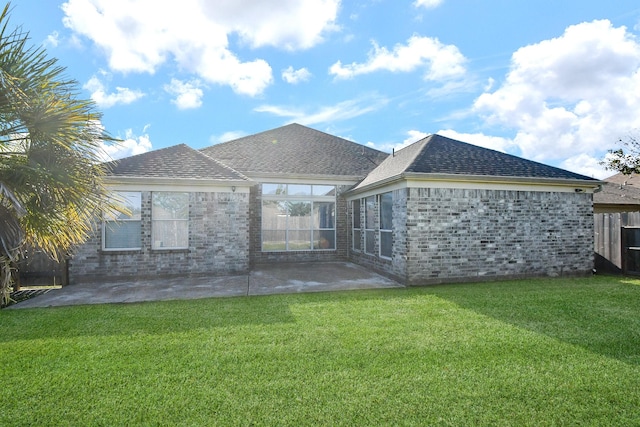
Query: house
(617, 224)
(439, 210)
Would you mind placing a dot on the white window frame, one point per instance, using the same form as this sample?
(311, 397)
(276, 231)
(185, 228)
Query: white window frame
(120, 197)
(154, 221)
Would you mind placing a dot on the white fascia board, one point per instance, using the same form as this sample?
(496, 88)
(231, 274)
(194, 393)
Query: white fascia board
(273, 178)
(177, 184)
(476, 182)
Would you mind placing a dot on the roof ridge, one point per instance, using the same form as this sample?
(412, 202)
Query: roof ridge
(468, 145)
(300, 126)
(157, 150)
(219, 163)
(419, 151)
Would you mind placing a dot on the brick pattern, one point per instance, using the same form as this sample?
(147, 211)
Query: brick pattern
(449, 235)
(458, 234)
(218, 244)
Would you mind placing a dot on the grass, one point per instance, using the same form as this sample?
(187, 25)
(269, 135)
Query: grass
(537, 352)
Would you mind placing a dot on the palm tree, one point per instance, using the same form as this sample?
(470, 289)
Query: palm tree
(51, 178)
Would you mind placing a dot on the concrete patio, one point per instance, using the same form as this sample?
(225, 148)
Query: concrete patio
(262, 280)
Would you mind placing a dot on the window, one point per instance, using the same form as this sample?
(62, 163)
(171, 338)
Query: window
(298, 217)
(355, 219)
(369, 225)
(170, 220)
(122, 230)
(386, 225)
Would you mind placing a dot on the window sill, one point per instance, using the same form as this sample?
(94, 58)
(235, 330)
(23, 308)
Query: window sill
(120, 251)
(169, 250)
(311, 251)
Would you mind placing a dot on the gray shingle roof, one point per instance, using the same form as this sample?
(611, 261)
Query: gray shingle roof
(619, 190)
(178, 161)
(437, 154)
(296, 149)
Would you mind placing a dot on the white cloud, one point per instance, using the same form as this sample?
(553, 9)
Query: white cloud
(296, 76)
(586, 165)
(487, 141)
(227, 136)
(141, 36)
(130, 146)
(188, 94)
(412, 136)
(577, 93)
(286, 24)
(439, 61)
(105, 100)
(481, 140)
(427, 3)
(52, 39)
(341, 111)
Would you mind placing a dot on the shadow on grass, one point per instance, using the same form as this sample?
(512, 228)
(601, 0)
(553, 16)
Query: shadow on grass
(166, 317)
(139, 318)
(599, 313)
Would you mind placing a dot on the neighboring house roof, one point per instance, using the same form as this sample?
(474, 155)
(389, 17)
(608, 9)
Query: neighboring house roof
(619, 190)
(439, 155)
(176, 162)
(632, 180)
(296, 150)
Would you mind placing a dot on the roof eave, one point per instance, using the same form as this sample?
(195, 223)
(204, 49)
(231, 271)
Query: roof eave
(417, 176)
(264, 176)
(377, 184)
(197, 182)
(565, 182)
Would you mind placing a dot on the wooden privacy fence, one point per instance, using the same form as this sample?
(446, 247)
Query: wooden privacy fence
(617, 241)
(37, 269)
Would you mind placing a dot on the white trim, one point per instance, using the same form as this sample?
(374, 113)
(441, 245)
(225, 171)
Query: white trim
(417, 181)
(305, 179)
(504, 185)
(104, 221)
(154, 221)
(179, 187)
(103, 238)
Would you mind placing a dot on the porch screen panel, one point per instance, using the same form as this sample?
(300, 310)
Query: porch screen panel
(370, 221)
(355, 218)
(298, 217)
(299, 232)
(386, 232)
(274, 225)
(324, 236)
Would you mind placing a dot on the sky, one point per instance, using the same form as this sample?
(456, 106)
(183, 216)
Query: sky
(552, 81)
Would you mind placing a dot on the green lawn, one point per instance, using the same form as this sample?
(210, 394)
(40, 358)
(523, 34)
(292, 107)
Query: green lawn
(549, 352)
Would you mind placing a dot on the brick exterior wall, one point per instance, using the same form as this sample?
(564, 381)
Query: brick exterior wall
(218, 244)
(449, 235)
(259, 257)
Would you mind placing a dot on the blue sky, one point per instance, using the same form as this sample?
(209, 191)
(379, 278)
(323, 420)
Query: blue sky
(552, 81)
